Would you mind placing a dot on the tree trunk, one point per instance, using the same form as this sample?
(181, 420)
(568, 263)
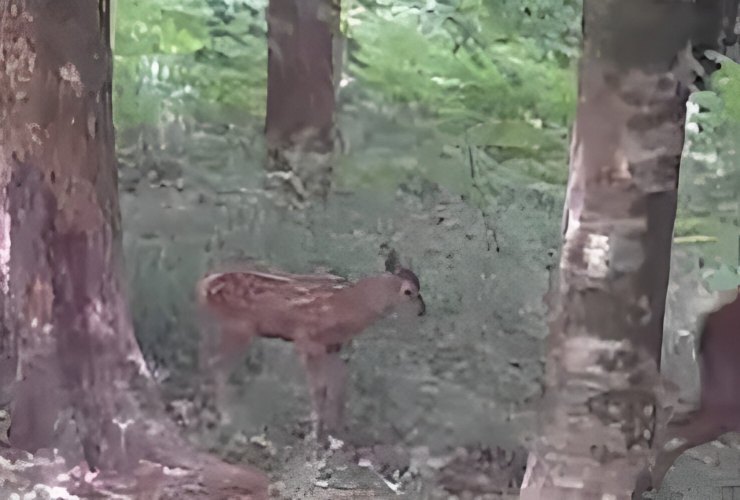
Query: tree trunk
(299, 126)
(600, 403)
(729, 44)
(70, 325)
(80, 377)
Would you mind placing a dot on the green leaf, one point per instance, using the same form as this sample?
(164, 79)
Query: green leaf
(724, 278)
(727, 83)
(695, 239)
(510, 134)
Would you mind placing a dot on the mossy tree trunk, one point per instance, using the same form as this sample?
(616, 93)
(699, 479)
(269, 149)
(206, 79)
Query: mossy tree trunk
(602, 375)
(80, 382)
(301, 95)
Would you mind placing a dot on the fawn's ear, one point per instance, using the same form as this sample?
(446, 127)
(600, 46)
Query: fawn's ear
(392, 262)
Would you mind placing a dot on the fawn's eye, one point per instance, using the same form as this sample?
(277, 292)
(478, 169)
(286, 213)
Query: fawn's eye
(407, 292)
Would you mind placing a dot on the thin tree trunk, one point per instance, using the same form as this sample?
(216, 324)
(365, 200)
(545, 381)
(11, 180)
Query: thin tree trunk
(299, 126)
(81, 384)
(600, 405)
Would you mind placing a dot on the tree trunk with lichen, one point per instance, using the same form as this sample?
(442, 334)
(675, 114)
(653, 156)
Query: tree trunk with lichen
(304, 42)
(602, 376)
(80, 383)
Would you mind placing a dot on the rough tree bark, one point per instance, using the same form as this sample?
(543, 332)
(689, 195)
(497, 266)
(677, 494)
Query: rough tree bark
(80, 382)
(301, 101)
(602, 376)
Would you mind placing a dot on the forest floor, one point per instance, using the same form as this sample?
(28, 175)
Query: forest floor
(440, 414)
(427, 418)
(304, 470)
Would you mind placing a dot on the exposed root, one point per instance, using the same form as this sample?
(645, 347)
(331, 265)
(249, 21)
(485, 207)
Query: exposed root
(198, 476)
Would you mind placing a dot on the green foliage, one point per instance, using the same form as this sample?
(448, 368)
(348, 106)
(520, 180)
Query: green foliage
(470, 63)
(726, 81)
(466, 63)
(193, 56)
(723, 278)
(495, 84)
(709, 215)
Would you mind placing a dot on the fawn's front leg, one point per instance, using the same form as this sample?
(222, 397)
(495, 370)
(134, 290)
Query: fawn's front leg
(222, 356)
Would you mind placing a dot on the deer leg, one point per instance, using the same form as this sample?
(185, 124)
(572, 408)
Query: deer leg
(701, 427)
(336, 391)
(326, 376)
(222, 358)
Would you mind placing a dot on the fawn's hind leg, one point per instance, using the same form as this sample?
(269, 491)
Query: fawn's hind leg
(326, 377)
